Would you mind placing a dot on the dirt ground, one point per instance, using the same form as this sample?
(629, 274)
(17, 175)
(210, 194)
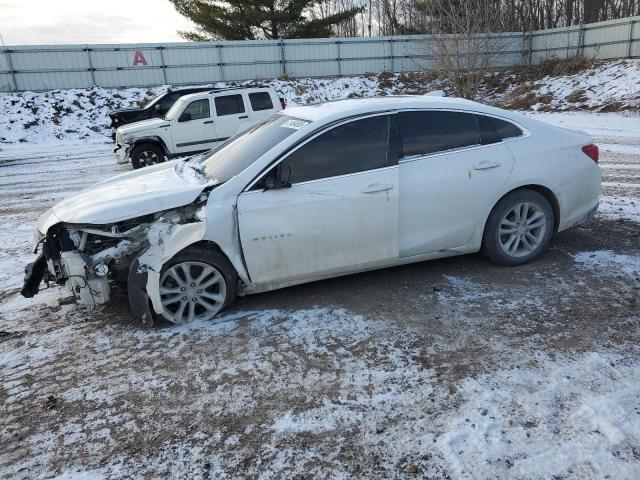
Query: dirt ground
(454, 368)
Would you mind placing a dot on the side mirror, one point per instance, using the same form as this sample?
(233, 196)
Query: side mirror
(185, 117)
(274, 180)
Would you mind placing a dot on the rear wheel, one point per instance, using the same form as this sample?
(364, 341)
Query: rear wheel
(196, 284)
(146, 154)
(519, 228)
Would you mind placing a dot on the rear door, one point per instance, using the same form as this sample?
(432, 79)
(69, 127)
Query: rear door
(231, 115)
(339, 215)
(194, 129)
(448, 178)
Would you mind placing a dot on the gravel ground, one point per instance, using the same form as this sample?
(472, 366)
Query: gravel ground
(454, 368)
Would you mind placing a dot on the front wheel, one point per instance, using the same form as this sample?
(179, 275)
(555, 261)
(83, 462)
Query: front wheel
(196, 284)
(146, 154)
(519, 228)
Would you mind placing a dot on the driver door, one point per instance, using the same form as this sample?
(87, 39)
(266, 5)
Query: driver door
(194, 129)
(339, 214)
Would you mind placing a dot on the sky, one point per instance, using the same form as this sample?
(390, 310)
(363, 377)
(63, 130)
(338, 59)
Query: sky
(89, 21)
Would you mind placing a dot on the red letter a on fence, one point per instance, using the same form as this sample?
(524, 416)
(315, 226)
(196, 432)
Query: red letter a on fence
(138, 58)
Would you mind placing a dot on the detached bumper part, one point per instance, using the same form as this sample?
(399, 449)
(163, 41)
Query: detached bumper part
(33, 275)
(89, 289)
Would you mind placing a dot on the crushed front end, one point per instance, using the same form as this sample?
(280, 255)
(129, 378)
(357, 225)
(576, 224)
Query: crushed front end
(86, 259)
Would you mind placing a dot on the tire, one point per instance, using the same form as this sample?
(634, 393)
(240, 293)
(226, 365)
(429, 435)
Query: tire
(509, 241)
(188, 298)
(146, 154)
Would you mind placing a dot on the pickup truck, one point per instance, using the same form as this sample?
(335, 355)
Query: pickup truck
(195, 123)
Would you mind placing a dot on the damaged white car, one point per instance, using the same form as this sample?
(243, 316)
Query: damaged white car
(316, 192)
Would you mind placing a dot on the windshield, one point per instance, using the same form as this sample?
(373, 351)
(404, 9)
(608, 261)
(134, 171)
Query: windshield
(153, 101)
(242, 150)
(173, 111)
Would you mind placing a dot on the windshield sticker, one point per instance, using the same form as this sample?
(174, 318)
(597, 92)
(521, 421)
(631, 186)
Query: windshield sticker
(295, 124)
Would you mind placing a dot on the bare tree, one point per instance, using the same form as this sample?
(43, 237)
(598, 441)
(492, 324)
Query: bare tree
(461, 43)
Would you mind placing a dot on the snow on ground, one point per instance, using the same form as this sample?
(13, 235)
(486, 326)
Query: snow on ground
(612, 85)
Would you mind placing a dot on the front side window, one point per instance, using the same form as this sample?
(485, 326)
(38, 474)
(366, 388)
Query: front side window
(198, 109)
(425, 132)
(353, 147)
(260, 101)
(229, 105)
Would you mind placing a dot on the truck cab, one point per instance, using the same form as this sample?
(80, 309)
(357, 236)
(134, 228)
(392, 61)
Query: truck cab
(195, 123)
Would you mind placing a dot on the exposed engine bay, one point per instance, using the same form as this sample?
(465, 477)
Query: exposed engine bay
(89, 259)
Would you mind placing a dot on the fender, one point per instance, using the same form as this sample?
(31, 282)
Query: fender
(165, 241)
(151, 139)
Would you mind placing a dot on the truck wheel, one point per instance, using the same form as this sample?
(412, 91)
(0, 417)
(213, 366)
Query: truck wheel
(196, 284)
(146, 154)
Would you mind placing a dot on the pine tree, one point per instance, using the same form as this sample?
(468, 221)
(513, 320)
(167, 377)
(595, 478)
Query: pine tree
(254, 19)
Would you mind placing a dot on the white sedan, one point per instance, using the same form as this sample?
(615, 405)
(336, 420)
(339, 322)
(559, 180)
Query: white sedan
(320, 191)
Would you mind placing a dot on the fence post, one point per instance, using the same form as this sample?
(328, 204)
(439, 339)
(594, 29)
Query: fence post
(581, 40)
(393, 67)
(164, 67)
(93, 76)
(7, 52)
(630, 40)
(219, 47)
(338, 42)
(529, 46)
(283, 59)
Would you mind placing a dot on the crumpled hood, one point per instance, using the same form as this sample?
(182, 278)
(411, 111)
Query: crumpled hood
(142, 125)
(133, 194)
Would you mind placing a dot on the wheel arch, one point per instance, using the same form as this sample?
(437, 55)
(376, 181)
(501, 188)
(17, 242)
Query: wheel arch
(155, 140)
(546, 192)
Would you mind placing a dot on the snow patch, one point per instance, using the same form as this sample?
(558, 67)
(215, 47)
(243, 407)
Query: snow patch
(608, 262)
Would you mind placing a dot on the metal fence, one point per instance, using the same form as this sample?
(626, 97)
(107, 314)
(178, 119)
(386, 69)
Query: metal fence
(140, 65)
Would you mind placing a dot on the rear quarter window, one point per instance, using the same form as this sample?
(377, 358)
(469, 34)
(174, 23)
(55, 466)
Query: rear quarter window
(260, 101)
(505, 129)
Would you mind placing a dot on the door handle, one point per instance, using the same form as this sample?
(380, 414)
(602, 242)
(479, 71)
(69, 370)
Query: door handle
(243, 116)
(485, 165)
(377, 187)
(208, 121)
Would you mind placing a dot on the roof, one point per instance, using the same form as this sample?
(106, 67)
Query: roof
(359, 106)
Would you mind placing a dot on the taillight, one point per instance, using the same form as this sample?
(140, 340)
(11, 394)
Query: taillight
(592, 152)
(283, 103)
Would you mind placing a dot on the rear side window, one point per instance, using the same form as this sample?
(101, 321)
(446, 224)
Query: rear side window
(434, 131)
(229, 105)
(505, 129)
(260, 101)
(198, 109)
(353, 147)
(488, 134)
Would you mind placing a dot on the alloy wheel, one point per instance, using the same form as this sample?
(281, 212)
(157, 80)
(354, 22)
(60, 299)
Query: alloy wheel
(522, 229)
(191, 291)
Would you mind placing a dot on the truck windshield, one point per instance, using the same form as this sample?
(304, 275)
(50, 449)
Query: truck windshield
(242, 150)
(173, 111)
(153, 102)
